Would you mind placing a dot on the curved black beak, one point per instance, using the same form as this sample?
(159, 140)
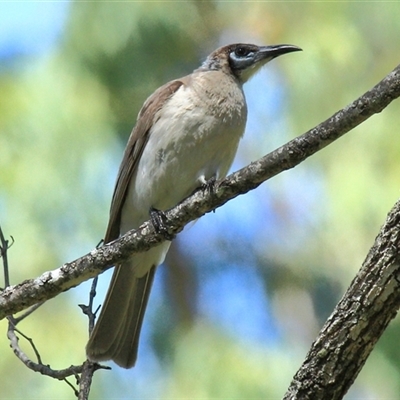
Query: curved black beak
(269, 52)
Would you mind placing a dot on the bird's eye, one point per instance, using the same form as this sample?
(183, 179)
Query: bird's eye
(241, 51)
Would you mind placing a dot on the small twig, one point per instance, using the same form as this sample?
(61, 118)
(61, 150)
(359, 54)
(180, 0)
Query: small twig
(26, 314)
(38, 367)
(62, 374)
(89, 368)
(14, 340)
(88, 309)
(12, 327)
(92, 295)
(76, 393)
(4, 246)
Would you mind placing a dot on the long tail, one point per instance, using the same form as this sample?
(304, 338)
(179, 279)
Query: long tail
(116, 333)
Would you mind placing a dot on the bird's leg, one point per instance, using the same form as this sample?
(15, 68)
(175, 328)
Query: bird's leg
(159, 220)
(208, 185)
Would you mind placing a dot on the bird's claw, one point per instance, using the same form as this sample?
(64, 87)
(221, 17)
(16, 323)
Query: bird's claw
(159, 221)
(209, 185)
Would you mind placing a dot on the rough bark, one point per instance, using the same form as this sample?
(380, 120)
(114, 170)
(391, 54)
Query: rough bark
(358, 321)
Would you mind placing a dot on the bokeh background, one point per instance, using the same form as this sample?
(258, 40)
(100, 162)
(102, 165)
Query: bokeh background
(245, 290)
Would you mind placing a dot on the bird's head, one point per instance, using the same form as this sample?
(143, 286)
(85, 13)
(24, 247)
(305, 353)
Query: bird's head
(243, 60)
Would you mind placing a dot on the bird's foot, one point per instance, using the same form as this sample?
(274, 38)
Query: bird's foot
(209, 185)
(159, 221)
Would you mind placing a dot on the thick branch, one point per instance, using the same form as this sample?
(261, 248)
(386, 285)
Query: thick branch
(18, 297)
(356, 324)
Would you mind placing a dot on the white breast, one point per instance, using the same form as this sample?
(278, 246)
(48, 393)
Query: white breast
(194, 137)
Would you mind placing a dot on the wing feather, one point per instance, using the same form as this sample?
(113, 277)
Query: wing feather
(134, 149)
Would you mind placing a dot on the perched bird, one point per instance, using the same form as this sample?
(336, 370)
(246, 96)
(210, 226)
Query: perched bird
(187, 133)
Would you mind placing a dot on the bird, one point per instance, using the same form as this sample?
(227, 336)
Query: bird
(186, 135)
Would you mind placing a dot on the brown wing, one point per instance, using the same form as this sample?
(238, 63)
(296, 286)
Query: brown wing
(133, 151)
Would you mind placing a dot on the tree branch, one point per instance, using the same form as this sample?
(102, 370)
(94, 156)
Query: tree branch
(50, 284)
(351, 332)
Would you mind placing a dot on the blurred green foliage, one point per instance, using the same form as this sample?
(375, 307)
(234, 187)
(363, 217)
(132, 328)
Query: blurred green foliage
(64, 120)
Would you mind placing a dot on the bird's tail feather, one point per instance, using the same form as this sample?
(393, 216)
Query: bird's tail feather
(125, 353)
(116, 333)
